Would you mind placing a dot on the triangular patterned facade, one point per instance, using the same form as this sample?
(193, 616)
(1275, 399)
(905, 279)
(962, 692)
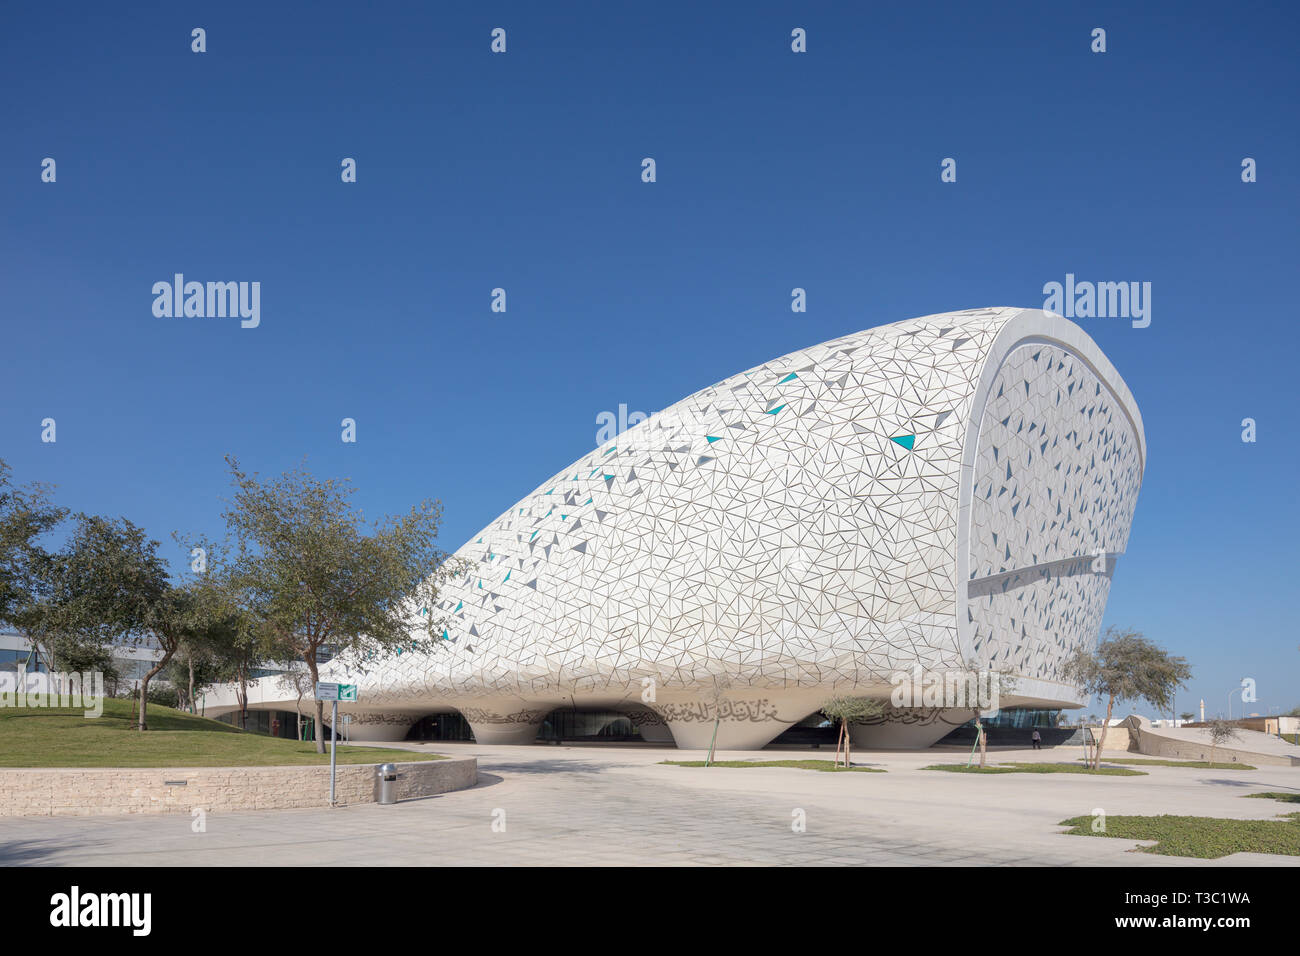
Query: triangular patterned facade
(946, 489)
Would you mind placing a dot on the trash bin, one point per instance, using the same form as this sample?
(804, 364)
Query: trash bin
(386, 783)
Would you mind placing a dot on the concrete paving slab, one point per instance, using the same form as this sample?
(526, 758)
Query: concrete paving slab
(619, 806)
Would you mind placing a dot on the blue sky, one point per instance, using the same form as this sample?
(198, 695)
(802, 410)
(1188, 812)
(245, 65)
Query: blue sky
(522, 170)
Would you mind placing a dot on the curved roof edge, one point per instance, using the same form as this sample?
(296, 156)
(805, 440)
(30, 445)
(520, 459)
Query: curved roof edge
(1026, 326)
(1073, 337)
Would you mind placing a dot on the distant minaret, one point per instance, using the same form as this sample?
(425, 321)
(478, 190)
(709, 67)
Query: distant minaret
(1202, 710)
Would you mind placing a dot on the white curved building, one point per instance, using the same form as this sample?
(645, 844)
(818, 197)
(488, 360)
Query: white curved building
(950, 489)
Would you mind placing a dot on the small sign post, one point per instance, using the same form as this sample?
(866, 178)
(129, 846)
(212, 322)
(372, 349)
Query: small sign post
(334, 693)
(334, 746)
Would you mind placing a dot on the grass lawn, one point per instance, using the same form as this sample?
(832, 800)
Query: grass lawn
(1206, 838)
(826, 766)
(1272, 795)
(1195, 764)
(973, 768)
(65, 737)
(1036, 768)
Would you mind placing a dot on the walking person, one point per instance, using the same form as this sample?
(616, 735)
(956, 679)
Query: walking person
(1038, 739)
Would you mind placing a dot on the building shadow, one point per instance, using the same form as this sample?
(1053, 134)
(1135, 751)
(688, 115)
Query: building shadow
(1232, 783)
(548, 767)
(28, 852)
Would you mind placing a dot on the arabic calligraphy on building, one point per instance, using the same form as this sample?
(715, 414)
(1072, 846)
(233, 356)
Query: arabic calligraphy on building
(913, 716)
(752, 711)
(477, 715)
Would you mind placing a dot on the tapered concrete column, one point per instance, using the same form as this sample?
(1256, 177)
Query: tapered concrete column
(490, 733)
(913, 728)
(504, 721)
(746, 719)
(732, 735)
(371, 727)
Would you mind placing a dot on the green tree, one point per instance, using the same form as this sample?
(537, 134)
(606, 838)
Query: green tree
(315, 577)
(1126, 666)
(221, 641)
(26, 514)
(237, 649)
(108, 586)
(193, 669)
(70, 654)
(716, 696)
(299, 683)
(1220, 731)
(96, 588)
(1187, 716)
(985, 682)
(847, 710)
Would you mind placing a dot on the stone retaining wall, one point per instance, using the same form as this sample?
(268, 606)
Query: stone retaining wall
(1158, 746)
(75, 791)
(1190, 743)
(1117, 739)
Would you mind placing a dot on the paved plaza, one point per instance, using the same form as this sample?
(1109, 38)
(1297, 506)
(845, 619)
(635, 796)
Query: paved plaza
(616, 805)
